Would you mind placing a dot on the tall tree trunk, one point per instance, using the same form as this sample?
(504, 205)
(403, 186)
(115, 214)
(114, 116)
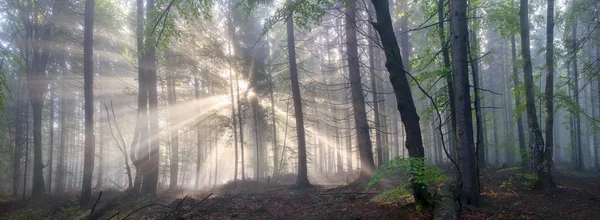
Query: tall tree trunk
(374, 93)
(358, 99)
(26, 153)
(469, 181)
(535, 134)
(545, 180)
(18, 154)
(520, 130)
(274, 124)
(578, 152)
(139, 152)
(51, 150)
(100, 177)
(88, 76)
(60, 166)
(199, 133)
(174, 168)
(241, 126)
(254, 103)
(302, 178)
(450, 127)
(404, 100)
(150, 177)
(474, 54)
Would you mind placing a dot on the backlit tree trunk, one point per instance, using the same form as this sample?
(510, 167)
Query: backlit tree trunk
(302, 178)
(88, 87)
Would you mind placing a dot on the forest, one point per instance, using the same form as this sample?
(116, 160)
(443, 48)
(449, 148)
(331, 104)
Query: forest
(299, 109)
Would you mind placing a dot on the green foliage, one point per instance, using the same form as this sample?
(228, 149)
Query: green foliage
(505, 18)
(416, 170)
(392, 196)
(305, 12)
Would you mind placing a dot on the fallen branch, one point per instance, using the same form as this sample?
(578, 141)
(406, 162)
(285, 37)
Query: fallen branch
(192, 208)
(176, 207)
(146, 206)
(94, 207)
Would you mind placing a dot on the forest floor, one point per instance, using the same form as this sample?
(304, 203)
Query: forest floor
(506, 193)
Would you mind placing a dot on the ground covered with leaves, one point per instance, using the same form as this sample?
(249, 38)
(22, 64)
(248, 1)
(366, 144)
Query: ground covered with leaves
(506, 192)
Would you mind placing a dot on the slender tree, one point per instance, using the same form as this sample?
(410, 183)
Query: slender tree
(404, 100)
(367, 165)
(88, 75)
(302, 178)
(520, 130)
(545, 174)
(535, 134)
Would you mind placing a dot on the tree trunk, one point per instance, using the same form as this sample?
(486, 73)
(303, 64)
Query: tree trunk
(302, 179)
(578, 152)
(358, 99)
(51, 150)
(450, 86)
(404, 100)
(26, 153)
(88, 74)
(60, 166)
(150, 176)
(375, 96)
(174, 168)
(18, 154)
(199, 134)
(474, 54)
(545, 180)
(535, 134)
(520, 130)
(100, 177)
(138, 152)
(469, 181)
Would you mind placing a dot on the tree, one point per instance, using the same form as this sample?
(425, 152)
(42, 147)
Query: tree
(545, 180)
(88, 74)
(469, 191)
(302, 178)
(520, 130)
(150, 170)
(367, 165)
(373, 79)
(535, 134)
(474, 49)
(172, 99)
(450, 86)
(404, 100)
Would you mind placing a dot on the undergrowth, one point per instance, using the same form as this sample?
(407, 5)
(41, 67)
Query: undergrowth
(417, 172)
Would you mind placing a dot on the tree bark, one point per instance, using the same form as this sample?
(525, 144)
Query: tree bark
(535, 134)
(545, 180)
(150, 177)
(199, 134)
(375, 95)
(358, 99)
(88, 75)
(450, 86)
(404, 100)
(51, 150)
(520, 130)
(474, 54)
(578, 151)
(469, 181)
(302, 178)
(174, 166)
